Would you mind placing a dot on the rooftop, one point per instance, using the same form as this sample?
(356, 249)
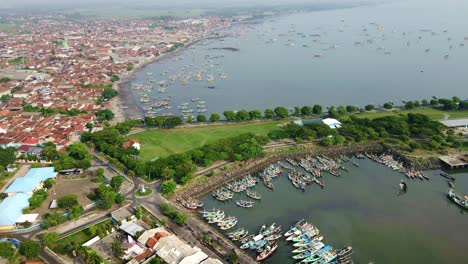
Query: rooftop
(31, 180)
(460, 122)
(457, 161)
(12, 208)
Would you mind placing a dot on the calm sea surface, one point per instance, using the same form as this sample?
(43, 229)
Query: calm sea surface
(361, 208)
(371, 54)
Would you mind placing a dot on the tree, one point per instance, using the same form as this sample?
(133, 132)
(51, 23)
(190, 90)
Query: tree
(78, 151)
(268, 113)
(388, 105)
(173, 121)
(49, 183)
(7, 156)
(7, 251)
(49, 239)
(369, 107)
(317, 109)
(351, 108)
(76, 211)
(104, 114)
(108, 93)
(281, 112)
(306, 110)
(189, 120)
(242, 115)
(119, 198)
(327, 141)
(106, 196)
(114, 78)
(255, 114)
(168, 187)
(116, 182)
(229, 115)
(100, 172)
(201, 118)
(30, 249)
(297, 111)
(214, 117)
(67, 201)
(49, 152)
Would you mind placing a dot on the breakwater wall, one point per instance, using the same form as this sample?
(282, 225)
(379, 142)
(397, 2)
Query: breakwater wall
(413, 162)
(199, 190)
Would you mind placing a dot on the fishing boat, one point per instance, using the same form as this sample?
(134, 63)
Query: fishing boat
(253, 195)
(460, 201)
(267, 252)
(245, 204)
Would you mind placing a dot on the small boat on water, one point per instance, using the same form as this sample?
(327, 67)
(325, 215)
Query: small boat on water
(460, 201)
(267, 252)
(245, 204)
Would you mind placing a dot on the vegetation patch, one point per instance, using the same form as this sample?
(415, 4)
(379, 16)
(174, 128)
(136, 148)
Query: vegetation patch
(140, 192)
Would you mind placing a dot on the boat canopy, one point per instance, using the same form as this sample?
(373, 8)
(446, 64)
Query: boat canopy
(257, 238)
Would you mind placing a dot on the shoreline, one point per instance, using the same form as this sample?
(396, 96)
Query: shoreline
(125, 96)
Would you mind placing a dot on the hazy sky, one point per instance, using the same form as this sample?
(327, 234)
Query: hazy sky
(168, 3)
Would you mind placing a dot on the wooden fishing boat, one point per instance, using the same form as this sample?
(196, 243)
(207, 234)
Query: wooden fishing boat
(267, 252)
(460, 201)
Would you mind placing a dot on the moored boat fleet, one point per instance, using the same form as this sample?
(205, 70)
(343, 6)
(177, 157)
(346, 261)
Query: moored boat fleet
(309, 248)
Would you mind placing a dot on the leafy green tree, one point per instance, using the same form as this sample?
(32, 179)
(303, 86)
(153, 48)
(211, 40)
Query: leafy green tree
(268, 113)
(116, 182)
(76, 211)
(7, 156)
(49, 183)
(189, 120)
(173, 121)
(49, 239)
(388, 105)
(242, 115)
(297, 111)
(351, 108)
(201, 118)
(30, 249)
(114, 78)
(214, 117)
(369, 107)
(306, 110)
(7, 251)
(49, 152)
(327, 141)
(255, 114)
(233, 257)
(78, 151)
(168, 187)
(67, 201)
(341, 110)
(104, 114)
(100, 172)
(106, 196)
(229, 115)
(119, 198)
(317, 109)
(281, 112)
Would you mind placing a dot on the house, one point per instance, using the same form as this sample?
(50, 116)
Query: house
(32, 181)
(131, 228)
(172, 250)
(132, 143)
(11, 210)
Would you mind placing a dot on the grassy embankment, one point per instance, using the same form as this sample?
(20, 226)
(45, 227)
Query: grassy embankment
(161, 143)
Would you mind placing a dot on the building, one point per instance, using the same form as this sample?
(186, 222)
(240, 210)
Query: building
(32, 181)
(131, 228)
(211, 261)
(460, 122)
(132, 143)
(331, 122)
(11, 210)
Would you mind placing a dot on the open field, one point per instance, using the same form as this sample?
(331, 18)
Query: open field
(123, 13)
(7, 26)
(434, 114)
(161, 143)
(82, 236)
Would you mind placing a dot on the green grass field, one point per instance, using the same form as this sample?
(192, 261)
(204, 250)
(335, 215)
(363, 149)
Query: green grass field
(161, 143)
(432, 113)
(7, 26)
(81, 236)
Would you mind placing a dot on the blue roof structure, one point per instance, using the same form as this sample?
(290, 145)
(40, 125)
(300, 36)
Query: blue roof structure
(12, 207)
(31, 180)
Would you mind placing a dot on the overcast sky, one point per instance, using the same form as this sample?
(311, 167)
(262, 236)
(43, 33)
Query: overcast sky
(168, 3)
